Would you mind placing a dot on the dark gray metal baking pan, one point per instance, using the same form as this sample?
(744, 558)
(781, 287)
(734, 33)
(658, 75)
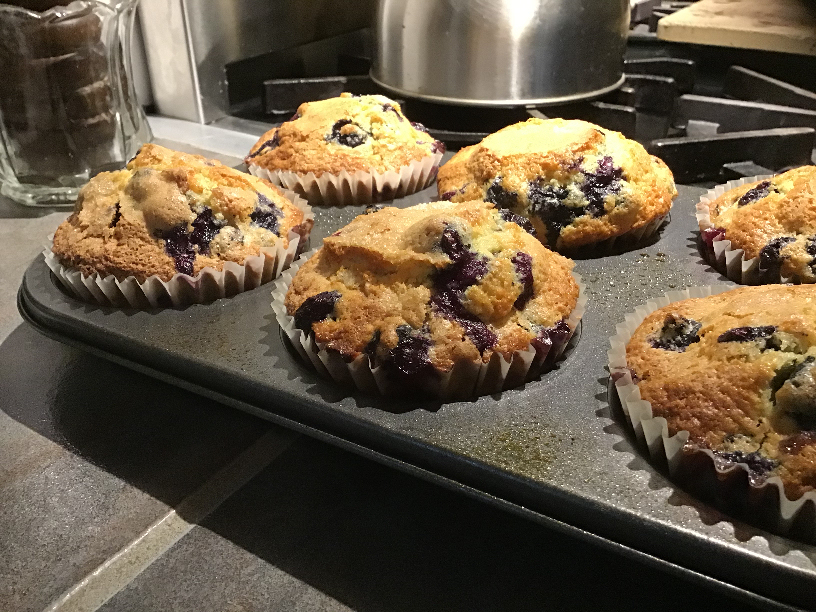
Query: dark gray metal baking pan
(550, 450)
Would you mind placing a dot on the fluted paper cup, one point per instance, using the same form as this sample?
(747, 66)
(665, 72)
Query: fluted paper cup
(357, 187)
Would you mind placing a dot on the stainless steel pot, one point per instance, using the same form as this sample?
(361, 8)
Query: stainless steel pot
(500, 52)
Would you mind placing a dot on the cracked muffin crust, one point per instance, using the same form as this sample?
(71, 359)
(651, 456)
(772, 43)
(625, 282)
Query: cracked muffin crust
(423, 288)
(171, 212)
(577, 183)
(773, 219)
(350, 133)
(737, 371)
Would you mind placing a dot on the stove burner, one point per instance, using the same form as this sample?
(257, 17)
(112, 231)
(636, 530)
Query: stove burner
(708, 116)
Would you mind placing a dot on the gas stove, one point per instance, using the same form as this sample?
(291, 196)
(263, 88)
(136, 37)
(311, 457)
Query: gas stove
(711, 113)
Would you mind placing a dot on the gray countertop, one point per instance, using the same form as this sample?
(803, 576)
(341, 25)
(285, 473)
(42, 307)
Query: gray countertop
(121, 492)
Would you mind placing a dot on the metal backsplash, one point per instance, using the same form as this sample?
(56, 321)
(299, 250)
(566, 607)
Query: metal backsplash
(190, 42)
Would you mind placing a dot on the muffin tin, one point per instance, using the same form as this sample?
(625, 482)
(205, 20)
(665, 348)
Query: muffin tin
(553, 450)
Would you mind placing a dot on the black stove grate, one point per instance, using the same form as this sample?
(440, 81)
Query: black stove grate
(710, 113)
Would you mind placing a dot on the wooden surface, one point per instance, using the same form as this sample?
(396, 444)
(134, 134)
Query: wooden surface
(772, 25)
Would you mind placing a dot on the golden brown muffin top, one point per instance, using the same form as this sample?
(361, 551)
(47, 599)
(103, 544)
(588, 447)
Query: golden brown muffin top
(577, 183)
(773, 219)
(350, 133)
(171, 212)
(736, 370)
(433, 285)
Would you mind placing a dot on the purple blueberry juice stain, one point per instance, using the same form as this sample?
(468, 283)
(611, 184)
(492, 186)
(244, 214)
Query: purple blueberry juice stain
(500, 196)
(548, 337)
(437, 146)
(410, 356)
(523, 265)
(605, 181)
(183, 245)
(295, 117)
(712, 234)
(511, 217)
(269, 145)
(353, 139)
(315, 308)
(755, 193)
(758, 465)
(770, 256)
(466, 269)
(266, 214)
(747, 334)
(419, 127)
(677, 334)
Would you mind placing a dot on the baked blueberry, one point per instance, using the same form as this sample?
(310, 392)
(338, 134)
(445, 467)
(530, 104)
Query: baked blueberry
(183, 245)
(598, 185)
(266, 146)
(266, 214)
(177, 245)
(523, 265)
(769, 256)
(315, 308)
(547, 203)
(511, 217)
(410, 356)
(747, 334)
(797, 395)
(465, 270)
(348, 138)
(205, 227)
(755, 193)
(500, 196)
(389, 108)
(677, 334)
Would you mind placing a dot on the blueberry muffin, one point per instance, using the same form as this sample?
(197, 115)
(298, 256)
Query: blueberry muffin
(577, 183)
(772, 219)
(350, 133)
(422, 289)
(170, 213)
(738, 372)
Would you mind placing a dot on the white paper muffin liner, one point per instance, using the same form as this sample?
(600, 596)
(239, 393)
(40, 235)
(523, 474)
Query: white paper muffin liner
(358, 187)
(463, 381)
(728, 261)
(629, 238)
(182, 289)
(654, 432)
